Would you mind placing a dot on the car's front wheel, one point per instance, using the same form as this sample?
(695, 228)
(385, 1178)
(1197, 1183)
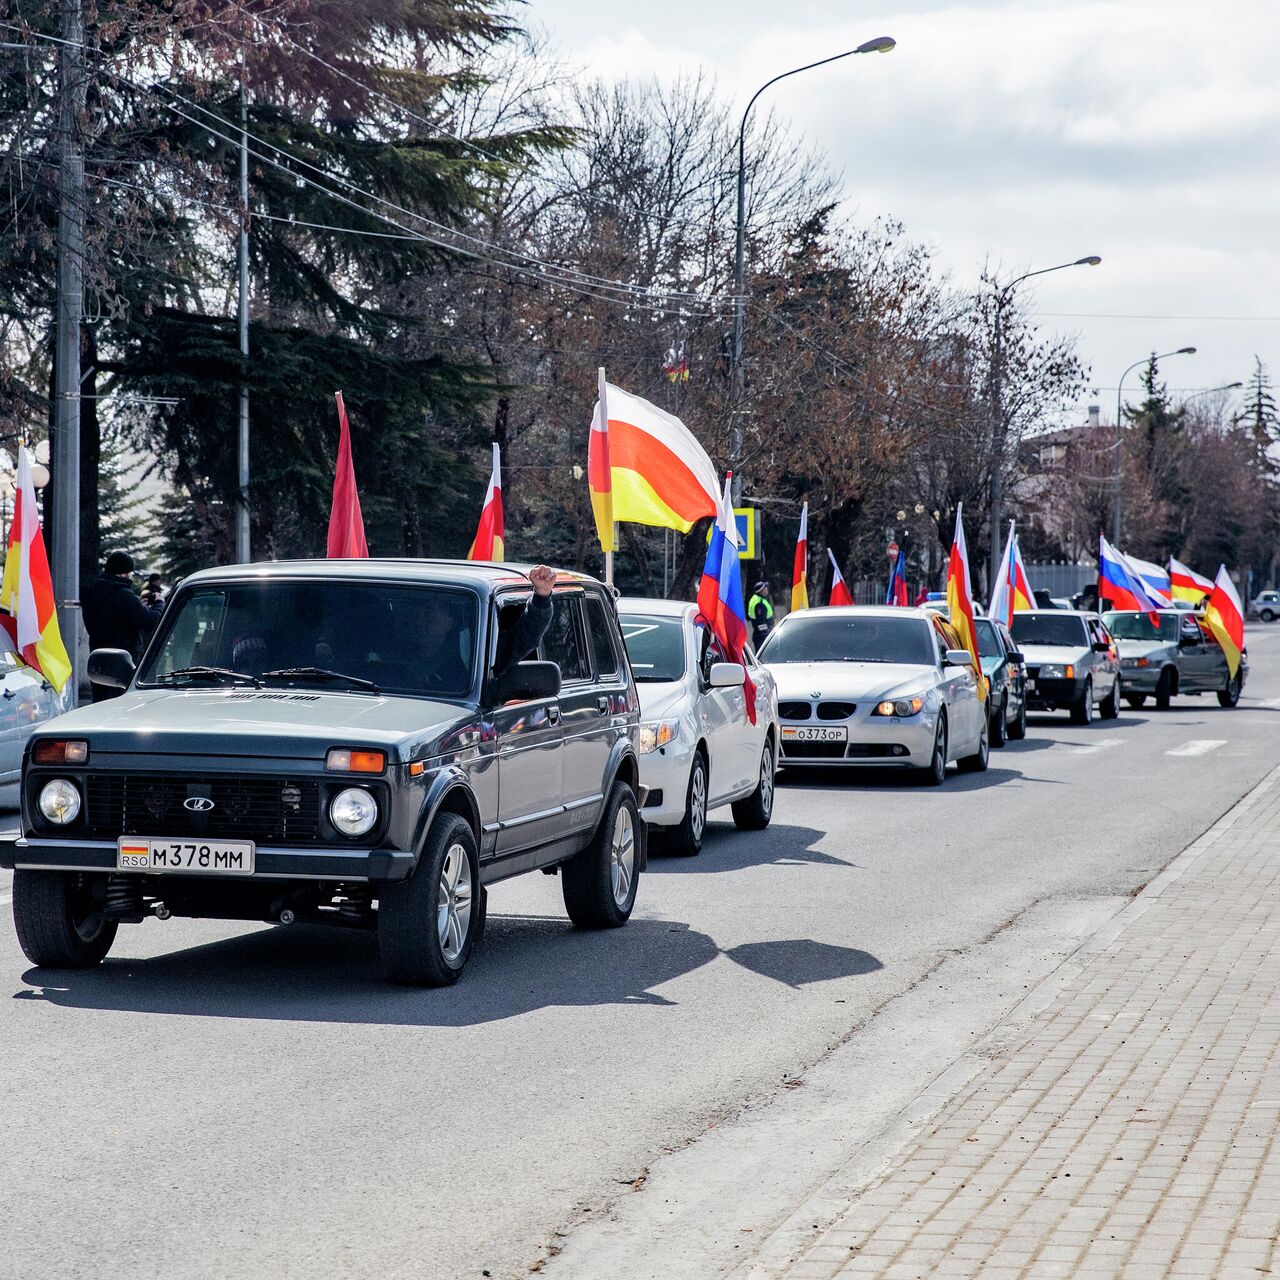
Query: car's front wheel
(999, 723)
(1164, 689)
(687, 837)
(1109, 708)
(427, 925)
(1267, 615)
(1229, 696)
(61, 918)
(755, 812)
(1136, 700)
(1018, 729)
(1082, 707)
(599, 884)
(934, 774)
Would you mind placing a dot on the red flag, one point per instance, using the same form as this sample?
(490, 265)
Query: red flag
(839, 588)
(346, 524)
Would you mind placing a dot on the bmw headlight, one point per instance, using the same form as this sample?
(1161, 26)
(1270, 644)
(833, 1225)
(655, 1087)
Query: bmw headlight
(656, 734)
(1056, 671)
(353, 811)
(59, 801)
(902, 707)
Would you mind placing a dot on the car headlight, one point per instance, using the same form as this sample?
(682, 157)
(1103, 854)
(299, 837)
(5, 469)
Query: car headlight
(353, 811)
(656, 734)
(899, 707)
(1056, 671)
(59, 801)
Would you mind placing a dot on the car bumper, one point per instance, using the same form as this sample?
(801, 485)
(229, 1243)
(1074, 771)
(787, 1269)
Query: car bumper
(873, 742)
(48, 853)
(1139, 680)
(665, 775)
(1051, 695)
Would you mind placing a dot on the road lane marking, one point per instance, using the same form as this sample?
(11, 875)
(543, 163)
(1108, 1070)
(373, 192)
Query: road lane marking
(1269, 702)
(1198, 747)
(5, 899)
(1088, 748)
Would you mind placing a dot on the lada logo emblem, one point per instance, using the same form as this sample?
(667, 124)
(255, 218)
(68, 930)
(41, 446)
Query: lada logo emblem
(198, 804)
(815, 693)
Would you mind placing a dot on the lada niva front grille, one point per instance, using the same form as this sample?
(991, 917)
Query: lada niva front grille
(267, 810)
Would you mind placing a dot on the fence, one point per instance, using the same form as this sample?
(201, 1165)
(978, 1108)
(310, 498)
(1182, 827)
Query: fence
(1061, 579)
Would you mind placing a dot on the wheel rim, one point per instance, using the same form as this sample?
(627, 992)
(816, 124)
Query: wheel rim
(623, 856)
(453, 916)
(87, 909)
(940, 751)
(766, 781)
(984, 747)
(698, 800)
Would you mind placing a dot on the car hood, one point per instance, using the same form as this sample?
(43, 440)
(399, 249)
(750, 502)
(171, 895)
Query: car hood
(263, 723)
(1143, 648)
(1038, 654)
(661, 698)
(805, 681)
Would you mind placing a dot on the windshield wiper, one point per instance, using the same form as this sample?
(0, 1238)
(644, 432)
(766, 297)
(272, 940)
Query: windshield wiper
(210, 673)
(322, 674)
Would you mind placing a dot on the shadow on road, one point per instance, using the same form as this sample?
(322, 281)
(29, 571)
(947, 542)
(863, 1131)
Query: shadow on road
(865, 779)
(306, 973)
(727, 849)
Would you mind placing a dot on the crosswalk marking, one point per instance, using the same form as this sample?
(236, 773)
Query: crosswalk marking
(1198, 747)
(1089, 748)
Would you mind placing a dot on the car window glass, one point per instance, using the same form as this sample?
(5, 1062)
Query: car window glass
(604, 656)
(870, 637)
(1045, 628)
(563, 643)
(1140, 626)
(988, 642)
(655, 647)
(709, 651)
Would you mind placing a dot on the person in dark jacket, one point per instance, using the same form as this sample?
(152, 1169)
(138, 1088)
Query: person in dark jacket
(114, 616)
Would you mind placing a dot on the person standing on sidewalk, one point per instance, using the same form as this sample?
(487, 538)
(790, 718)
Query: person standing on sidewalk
(114, 616)
(760, 611)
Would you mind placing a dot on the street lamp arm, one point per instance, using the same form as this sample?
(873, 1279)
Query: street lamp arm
(1091, 261)
(795, 71)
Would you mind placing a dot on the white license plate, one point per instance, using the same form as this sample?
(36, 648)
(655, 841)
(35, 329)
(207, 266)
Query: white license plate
(200, 857)
(815, 733)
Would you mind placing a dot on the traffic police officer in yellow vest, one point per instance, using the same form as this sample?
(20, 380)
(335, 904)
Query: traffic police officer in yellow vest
(760, 611)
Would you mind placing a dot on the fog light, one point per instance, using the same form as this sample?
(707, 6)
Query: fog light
(59, 801)
(353, 811)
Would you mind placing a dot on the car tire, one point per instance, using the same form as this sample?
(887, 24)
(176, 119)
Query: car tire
(934, 774)
(60, 918)
(1082, 707)
(1267, 616)
(1229, 696)
(1018, 729)
(977, 763)
(1109, 707)
(1136, 700)
(599, 884)
(1164, 689)
(686, 839)
(999, 734)
(755, 812)
(428, 924)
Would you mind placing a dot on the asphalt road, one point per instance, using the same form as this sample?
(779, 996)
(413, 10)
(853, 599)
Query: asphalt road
(222, 1100)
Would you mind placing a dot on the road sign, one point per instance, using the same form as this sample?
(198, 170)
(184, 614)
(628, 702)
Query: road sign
(892, 551)
(748, 522)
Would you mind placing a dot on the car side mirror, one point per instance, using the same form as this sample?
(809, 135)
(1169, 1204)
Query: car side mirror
(528, 681)
(1016, 655)
(1101, 646)
(959, 658)
(111, 667)
(727, 675)
(1188, 642)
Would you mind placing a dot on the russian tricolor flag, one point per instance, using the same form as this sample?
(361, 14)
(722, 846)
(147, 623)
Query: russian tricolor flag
(720, 591)
(1121, 584)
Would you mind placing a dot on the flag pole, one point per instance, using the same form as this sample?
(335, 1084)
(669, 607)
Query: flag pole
(604, 418)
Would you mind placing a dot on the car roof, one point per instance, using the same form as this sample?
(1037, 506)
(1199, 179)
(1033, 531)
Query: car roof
(866, 611)
(461, 572)
(652, 605)
(1055, 613)
(1169, 612)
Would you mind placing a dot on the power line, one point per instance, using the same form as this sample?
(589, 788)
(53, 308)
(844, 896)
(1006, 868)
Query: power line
(1118, 315)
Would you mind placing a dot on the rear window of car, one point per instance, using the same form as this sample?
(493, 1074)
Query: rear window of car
(1044, 628)
(655, 646)
(1140, 626)
(603, 651)
(989, 645)
(850, 638)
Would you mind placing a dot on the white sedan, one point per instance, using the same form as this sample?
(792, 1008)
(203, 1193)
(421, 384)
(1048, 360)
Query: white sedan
(698, 749)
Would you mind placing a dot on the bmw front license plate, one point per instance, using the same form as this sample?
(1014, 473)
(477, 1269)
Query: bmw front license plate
(200, 857)
(815, 733)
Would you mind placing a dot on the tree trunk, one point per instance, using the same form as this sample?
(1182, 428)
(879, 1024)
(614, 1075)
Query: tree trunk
(693, 555)
(639, 555)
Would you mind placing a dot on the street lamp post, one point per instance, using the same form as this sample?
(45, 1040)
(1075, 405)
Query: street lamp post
(881, 44)
(998, 432)
(1210, 391)
(1118, 478)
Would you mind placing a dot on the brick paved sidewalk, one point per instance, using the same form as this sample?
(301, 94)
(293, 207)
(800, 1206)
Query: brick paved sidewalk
(1129, 1130)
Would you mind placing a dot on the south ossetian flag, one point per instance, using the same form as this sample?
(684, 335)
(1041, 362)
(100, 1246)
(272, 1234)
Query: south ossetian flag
(1224, 616)
(960, 599)
(1012, 591)
(645, 466)
(800, 565)
(1186, 583)
(840, 593)
(489, 542)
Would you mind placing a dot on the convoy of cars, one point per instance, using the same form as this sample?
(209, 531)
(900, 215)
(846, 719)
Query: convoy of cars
(373, 743)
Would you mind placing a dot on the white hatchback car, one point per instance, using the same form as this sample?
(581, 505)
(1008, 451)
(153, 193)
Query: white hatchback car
(27, 700)
(698, 750)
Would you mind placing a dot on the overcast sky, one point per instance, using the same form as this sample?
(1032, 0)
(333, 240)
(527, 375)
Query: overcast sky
(1031, 132)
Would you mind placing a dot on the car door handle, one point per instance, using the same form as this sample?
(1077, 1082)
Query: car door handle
(553, 715)
(602, 706)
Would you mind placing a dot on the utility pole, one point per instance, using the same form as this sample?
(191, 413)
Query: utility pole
(998, 429)
(70, 298)
(242, 442)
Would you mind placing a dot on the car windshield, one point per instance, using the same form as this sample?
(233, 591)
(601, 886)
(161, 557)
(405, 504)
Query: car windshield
(655, 646)
(989, 645)
(1044, 628)
(1140, 626)
(819, 637)
(359, 636)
